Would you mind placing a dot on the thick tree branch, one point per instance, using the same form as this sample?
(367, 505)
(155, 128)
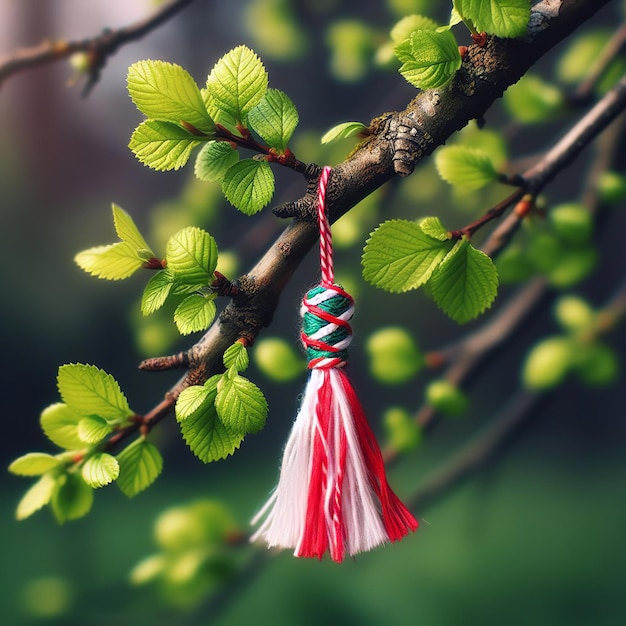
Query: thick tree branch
(99, 48)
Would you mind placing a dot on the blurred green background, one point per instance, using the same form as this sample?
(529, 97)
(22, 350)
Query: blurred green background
(536, 538)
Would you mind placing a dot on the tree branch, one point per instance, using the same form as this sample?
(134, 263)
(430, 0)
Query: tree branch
(99, 48)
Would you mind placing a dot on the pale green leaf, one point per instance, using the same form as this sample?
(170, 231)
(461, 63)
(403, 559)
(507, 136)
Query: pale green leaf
(164, 91)
(399, 256)
(502, 18)
(194, 313)
(33, 464)
(249, 185)
(241, 405)
(465, 283)
(91, 391)
(236, 356)
(72, 498)
(36, 497)
(191, 256)
(431, 59)
(433, 227)
(532, 100)
(156, 291)
(238, 81)
(274, 119)
(465, 167)
(343, 131)
(207, 436)
(115, 261)
(140, 465)
(127, 230)
(214, 159)
(60, 424)
(100, 470)
(409, 24)
(162, 145)
(93, 429)
(193, 397)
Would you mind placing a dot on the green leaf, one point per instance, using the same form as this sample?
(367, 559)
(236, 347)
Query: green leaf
(241, 405)
(191, 256)
(430, 59)
(36, 497)
(249, 185)
(465, 167)
(156, 291)
(60, 424)
(274, 119)
(162, 145)
(113, 262)
(194, 313)
(192, 398)
(278, 360)
(71, 498)
(399, 256)
(446, 397)
(548, 363)
(164, 91)
(93, 429)
(502, 18)
(214, 160)
(433, 227)
(127, 231)
(33, 464)
(409, 24)
(140, 465)
(532, 100)
(100, 470)
(236, 356)
(207, 436)
(465, 283)
(394, 357)
(343, 131)
(91, 391)
(238, 81)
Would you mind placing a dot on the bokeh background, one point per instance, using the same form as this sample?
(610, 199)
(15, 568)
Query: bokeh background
(536, 538)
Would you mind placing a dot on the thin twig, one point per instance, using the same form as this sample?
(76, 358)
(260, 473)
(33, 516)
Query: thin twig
(99, 48)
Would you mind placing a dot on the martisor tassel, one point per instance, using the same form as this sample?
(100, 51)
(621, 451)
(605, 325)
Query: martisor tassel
(332, 494)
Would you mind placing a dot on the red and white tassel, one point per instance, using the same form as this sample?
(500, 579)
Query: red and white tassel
(332, 494)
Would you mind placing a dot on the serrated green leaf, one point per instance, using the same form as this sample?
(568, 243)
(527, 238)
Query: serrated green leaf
(60, 424)
(430, 59)
(191, 256)
(115, 261)
(465, 167)
(156, 291)
(71, 498)
(91, 391)
(93, 429)
(33, 464)
(433, 227)
(100, 470)
(207, 436)
(127, 230)
(36, 497)
(274, 119)
(236, 356)
(238, 81)
(455, 18)
(343, 131)
(164, 91)
(192, 398)
(249, 185)
(465, 283)
(399, 256)
(140, 465)
(409, 24)
(502, 18)
(532, 100)
(241, 405)
(214, 159)
(194, 313)
(162, 145)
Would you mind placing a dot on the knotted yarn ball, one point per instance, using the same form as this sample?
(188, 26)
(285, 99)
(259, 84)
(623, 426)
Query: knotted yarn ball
(326, 333)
